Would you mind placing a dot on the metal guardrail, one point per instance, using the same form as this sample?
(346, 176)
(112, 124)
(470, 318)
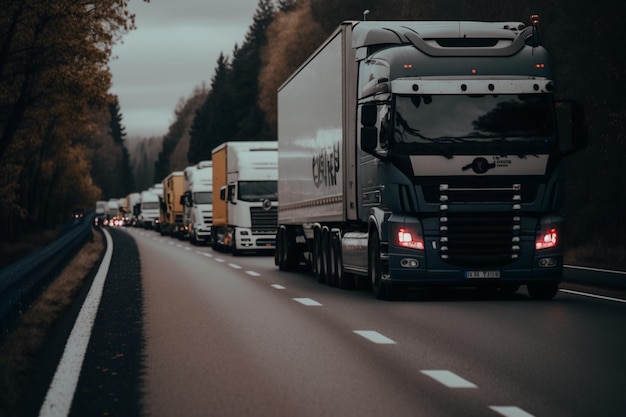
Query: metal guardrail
(22, 281)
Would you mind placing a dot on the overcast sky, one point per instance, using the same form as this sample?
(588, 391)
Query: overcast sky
(174, 49)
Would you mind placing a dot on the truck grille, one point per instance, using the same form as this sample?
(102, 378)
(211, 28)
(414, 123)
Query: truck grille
(264, 220)
(480, 239)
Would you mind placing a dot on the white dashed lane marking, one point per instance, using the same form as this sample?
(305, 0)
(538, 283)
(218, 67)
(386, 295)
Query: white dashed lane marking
(307, 301)
(510, 411)
(449, 379)
(278, 286)
(252, 273)
(234, 266)
(375, 337)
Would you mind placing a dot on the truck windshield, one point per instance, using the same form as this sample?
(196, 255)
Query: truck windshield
(205, 197)
(150, 205)
(258, 190)
(448, 119)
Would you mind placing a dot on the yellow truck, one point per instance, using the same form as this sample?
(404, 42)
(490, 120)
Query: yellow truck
(171, 207)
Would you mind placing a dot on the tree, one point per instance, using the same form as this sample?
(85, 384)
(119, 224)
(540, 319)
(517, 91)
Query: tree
(53, 85)
(292, 37)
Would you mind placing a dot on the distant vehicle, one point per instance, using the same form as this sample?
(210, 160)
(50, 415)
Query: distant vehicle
(101, 208)
(244, 196)
(197, 202)
(112, 217)
(78, 213)
(130, 217)
(416, 154)
(171, 206)
(148, 209)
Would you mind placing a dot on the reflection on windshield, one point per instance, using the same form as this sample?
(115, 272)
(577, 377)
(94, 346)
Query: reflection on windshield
(203, 197)
(258, 190)
(480, 118)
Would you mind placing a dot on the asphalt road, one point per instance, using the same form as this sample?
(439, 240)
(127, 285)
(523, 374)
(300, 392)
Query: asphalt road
(233, 336)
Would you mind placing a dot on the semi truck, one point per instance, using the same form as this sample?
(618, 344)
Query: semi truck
(197, 202)
(148, 208)
(421, 154)
(171, 218)
(244, 196)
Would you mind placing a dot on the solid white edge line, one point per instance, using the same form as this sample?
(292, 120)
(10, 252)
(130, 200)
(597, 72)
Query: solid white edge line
(585, 294)
(510, 411)
(63, 386)
(586, 268)
(375, 337)
(449, 379)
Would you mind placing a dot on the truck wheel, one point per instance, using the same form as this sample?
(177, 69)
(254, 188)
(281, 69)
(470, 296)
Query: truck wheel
(233, 246)
(543, 291)
(318, 257)
(374, 267)
(382, 290)
(344, 281)
(329, 258)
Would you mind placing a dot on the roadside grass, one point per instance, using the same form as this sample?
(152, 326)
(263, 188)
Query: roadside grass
(21, 347)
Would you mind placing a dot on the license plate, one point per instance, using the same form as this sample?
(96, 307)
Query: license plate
(482, 274)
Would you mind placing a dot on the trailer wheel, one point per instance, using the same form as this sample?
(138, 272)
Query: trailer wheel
(331, 259)
(318, 257)
(543, 291)
(285, 256)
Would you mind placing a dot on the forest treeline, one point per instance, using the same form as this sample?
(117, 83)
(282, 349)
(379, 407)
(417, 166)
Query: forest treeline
(61, 136)
(239, 103)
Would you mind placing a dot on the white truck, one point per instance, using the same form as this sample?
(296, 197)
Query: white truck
(112, 216)
(101, 208)
(425, 154)
(149, 208)
(197, 201)
(244, 196)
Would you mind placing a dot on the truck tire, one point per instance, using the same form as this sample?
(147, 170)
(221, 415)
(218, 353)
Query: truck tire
(286, 256)
(374, 267)
(329, 258)
(543, 291)
(344, 280)
(382, 290)
(318, 257)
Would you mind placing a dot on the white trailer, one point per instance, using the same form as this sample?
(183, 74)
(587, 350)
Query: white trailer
(198, 202)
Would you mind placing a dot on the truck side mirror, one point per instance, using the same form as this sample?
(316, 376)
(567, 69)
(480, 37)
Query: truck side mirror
(223, 193)
(572, 131)
(231, 194)
(369, 139)
(369, 132)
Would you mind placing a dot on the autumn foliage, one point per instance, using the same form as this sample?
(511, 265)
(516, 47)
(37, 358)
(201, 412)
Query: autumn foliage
(54, 82)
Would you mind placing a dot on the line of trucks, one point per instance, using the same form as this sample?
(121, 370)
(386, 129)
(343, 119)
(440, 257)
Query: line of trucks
(229, 202)
(409, 154)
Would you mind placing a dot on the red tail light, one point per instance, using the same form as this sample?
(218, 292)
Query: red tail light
(547, 238)
(410, 239)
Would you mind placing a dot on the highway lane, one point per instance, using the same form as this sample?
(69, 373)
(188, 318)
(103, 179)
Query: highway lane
(233, 336)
